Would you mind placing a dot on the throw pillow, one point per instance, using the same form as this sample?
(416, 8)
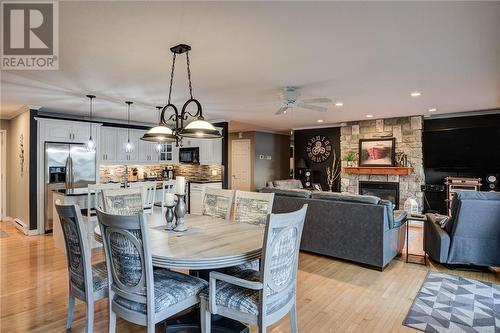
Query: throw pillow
(441, 220)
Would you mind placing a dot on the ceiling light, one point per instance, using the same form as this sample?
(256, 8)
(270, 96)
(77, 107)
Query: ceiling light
(320, 120)
(339, 104)
(128, 147)
(416, 94)
(90, 143)
(433, 110)
(198, 128)
(369, 116)
(160, 133)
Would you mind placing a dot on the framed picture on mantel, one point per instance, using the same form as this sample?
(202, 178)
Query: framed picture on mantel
(377, 152)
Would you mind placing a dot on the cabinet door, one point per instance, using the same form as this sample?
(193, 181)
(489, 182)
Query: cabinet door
(135, 136)
(205, 151)
(217, 151)
(195, 199)
(58, 131)
(109, 145)
(81, 132)
(121, 141)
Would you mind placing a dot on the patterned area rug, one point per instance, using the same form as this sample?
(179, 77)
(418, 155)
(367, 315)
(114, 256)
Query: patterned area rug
(450, 303)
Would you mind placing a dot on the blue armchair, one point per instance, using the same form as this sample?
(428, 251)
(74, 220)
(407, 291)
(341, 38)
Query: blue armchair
(472, 236)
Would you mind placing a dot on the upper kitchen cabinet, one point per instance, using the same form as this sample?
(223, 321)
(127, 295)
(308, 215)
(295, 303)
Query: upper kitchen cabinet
(55, 130)
(210, 149)
(108, 145)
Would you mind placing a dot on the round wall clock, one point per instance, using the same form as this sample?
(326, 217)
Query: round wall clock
(318, 148)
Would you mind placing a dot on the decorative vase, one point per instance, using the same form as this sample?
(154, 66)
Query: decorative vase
(350, 163)
(169, 216)
(180, 212)
(330, 187)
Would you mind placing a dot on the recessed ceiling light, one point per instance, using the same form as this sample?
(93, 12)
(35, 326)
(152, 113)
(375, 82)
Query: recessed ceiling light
(416, 94)
(320, 120)
(369, 116)
(433, 110)
(339, 104)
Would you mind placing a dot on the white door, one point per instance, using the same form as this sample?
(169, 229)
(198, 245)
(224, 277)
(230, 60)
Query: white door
(241, 165)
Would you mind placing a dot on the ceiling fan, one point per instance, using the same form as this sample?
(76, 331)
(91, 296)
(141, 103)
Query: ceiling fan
(290, 100)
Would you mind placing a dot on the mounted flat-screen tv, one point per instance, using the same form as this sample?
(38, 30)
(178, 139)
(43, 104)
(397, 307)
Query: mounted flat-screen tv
(462, 149)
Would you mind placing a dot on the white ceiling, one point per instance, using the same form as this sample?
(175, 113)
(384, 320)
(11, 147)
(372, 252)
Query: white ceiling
(368, 55)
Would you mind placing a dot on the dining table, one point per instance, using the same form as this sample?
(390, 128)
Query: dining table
(209, 243)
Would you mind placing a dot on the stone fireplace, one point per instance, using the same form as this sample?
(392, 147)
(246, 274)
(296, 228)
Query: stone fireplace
(383, 190)
(408, 134)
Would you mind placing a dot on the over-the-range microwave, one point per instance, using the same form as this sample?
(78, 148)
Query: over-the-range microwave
(189, 155)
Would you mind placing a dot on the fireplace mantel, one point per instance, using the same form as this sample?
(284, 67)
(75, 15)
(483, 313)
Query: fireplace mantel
(402, 171)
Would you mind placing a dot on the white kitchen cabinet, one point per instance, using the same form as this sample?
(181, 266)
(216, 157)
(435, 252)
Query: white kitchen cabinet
(147, 150)
(57, 130)
(108, 145)
(196, 191)
(169, 153)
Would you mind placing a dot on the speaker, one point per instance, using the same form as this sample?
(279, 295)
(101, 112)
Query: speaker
(492, 182)
(306, 178)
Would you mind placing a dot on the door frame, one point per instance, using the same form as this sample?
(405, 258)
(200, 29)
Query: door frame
(249, 161)
(3, 177)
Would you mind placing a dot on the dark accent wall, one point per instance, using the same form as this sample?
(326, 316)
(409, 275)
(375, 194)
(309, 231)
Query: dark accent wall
(277, 146)
(318, 169)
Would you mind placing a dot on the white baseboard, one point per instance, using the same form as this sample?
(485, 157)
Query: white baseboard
(23, 227)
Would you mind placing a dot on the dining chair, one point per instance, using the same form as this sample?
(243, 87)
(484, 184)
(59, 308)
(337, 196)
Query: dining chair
(87, 282)
(167, 186)
(217, 202)
(251, 207)
(148, 195)
(261, 297)
(137, 293)
(94, 200)
(123, 201)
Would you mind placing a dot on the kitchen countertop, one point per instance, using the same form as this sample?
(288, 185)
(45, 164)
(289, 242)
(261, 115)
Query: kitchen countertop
(204, 181)
(74, 192)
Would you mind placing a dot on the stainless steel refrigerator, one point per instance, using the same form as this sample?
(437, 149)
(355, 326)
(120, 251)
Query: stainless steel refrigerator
(67, 166)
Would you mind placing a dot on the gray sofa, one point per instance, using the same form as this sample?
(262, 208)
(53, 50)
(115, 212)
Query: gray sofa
(472, 234)
(362, 229)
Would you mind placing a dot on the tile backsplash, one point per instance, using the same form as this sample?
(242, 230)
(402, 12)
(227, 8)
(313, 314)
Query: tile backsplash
(115, 173)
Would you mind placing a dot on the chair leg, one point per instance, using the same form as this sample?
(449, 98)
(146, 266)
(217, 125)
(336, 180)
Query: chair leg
(206, 318)
(90, 316)
(262, 329)
(71, 310)
(112, 321)
(293, 319)
(151, 328)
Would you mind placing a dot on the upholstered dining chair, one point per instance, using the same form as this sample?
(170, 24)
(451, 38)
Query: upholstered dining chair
(261, 297)
(94, 200)
(217, 203)
(251, 207)
(137, 293)
(87, 282)
(123, 201)
(148, 195)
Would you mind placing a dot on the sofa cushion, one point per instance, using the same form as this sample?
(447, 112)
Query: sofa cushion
(288, 184)
(472, 195)
(301, 193)
(344, 196)
(399, 218)
(387, 203)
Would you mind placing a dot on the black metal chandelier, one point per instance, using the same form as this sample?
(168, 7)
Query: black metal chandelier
(197, 128)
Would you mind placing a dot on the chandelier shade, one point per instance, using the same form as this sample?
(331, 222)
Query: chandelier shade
(160, 133)
(200, 128)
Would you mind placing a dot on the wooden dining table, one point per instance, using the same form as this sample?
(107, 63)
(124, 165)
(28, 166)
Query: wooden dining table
(209, 243)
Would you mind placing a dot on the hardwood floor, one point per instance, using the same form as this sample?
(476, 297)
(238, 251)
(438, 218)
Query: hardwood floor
(333, 295)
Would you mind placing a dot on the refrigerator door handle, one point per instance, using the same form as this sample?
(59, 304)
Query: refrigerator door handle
(72, 177)
(66, 174)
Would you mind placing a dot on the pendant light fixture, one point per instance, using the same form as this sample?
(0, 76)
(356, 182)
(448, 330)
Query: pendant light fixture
(90, 143)
(128, 145)
(199, 127)
(160, 133)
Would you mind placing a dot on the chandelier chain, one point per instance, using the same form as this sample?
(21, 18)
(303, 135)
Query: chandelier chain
(171, 79)
(189, 75)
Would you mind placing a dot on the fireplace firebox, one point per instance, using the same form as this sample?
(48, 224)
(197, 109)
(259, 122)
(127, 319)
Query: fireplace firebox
(383, 190)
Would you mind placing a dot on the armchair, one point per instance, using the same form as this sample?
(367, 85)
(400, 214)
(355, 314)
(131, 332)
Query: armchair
(471, 236)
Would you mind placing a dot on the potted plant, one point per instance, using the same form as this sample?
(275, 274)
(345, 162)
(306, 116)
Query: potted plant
(350, 157)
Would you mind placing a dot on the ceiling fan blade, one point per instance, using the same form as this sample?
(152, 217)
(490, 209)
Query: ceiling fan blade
(317, 100)
(311, 107)
(282, 110)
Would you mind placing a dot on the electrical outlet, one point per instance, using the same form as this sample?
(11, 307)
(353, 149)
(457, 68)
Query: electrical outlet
(261, 157)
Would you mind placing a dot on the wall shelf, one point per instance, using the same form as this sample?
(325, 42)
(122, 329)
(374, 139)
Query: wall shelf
(402, 171)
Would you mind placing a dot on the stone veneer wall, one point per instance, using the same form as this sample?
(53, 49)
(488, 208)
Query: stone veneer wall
(115, 173)
(408, 134)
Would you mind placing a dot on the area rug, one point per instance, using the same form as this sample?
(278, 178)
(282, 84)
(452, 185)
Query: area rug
(450, 303)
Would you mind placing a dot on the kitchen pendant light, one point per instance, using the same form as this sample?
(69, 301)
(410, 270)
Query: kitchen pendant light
(90, 143)
(128, 145)
(199, 127)
(160, 133)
